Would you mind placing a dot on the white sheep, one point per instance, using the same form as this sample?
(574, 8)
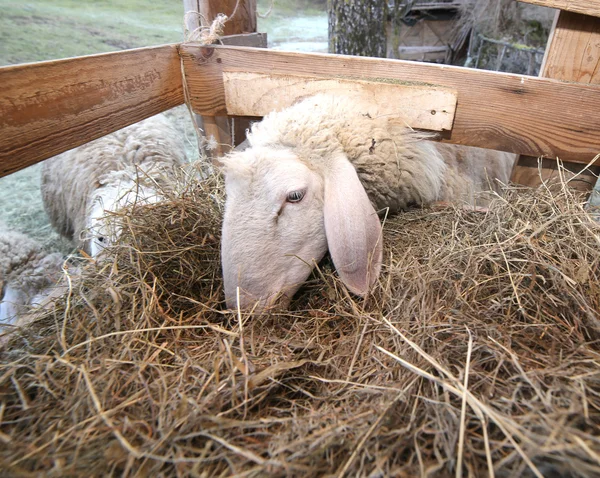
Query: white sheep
(312, 179)
(28, 274)
(80, 186)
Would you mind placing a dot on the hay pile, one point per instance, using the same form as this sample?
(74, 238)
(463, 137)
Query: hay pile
(139, 371)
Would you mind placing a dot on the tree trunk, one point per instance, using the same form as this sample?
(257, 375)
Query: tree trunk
(357, 27)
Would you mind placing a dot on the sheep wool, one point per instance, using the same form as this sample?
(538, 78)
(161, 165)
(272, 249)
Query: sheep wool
(27, 273)
(152, 148)
(397, 166)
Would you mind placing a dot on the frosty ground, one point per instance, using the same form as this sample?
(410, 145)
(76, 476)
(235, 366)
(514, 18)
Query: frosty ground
(47, 30)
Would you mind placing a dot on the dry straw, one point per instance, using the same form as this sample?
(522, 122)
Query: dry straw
(476, 355)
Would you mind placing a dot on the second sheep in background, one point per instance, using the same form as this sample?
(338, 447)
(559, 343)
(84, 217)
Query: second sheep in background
(28, 275)
(82, 186)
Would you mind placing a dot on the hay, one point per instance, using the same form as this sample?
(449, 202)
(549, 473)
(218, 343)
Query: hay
(139, 371)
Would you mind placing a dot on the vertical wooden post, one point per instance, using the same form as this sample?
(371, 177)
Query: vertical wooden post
(192, 23)
(241, 19)
(572, 54)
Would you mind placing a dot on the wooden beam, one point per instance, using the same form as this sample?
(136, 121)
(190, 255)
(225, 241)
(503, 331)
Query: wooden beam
(572, 54)
(241, 20)
(585, 7)
(201, 13)
(424, 53)
(419, 106)
(530, 168)
(191, 25)
(255, 40)
(49, 107)
(241, 13)
(500, 111)
(573, 51)
(240, 27)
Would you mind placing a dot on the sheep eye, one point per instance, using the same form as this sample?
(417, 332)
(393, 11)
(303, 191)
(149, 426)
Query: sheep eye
(295, 196)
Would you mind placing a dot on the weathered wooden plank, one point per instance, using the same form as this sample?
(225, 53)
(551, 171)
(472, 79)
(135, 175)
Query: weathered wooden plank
(241, 13)
(218, 136)
(49, 107)
(255, 40)
(431, 54)
(585, 7)
(528, 173)
(241, 20)
(419, 106)
(572, 54)
(500, 111)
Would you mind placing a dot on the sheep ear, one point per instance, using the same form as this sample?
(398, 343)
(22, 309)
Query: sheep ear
(352, 227)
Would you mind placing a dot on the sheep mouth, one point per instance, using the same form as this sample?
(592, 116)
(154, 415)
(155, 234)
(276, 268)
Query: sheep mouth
(257, 305)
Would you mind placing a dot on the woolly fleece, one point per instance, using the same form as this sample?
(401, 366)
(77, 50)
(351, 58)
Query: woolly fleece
(397, 166)
(149, 148)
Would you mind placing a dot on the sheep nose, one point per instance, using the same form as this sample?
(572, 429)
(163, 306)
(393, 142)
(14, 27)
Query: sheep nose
(246, 301)
(249, 302)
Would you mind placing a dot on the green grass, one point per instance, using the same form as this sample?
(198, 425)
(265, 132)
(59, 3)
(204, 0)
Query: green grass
(290, 21)
(44, 30)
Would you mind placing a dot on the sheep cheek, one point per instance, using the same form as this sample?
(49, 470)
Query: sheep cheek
(269, 262)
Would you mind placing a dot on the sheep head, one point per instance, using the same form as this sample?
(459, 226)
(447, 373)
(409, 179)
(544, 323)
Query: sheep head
(282, 213)
(115, 193)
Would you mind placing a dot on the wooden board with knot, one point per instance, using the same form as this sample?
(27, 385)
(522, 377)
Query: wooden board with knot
(417, 105)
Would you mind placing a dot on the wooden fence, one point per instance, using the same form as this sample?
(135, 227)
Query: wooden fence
(50, 107)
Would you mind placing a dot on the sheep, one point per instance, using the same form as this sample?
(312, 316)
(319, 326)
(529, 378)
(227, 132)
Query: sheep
(312, 179)
(81, 185)
(28, 274)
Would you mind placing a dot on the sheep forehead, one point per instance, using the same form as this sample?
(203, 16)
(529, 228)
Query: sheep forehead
(283, 173)
(122, 193)
(267, 172)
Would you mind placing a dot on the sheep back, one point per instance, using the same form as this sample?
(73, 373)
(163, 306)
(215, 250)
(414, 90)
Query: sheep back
(397, 166)
(25, 266)
(69, 179)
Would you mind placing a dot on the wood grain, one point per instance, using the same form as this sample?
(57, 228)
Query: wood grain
(241, 13)
(213, 127)
(585, 7)
(256, 40)
(515, 113)
(572, 54)
(218, 136)
(530, 171)
(418, 106)
(241, 20)
(49, 107)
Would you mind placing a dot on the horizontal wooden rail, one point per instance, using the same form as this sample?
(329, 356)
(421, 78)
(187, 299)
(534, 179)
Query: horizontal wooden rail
(586, 7)
(507, 112)
(419, 106)
(49, 107)
(256, 40)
